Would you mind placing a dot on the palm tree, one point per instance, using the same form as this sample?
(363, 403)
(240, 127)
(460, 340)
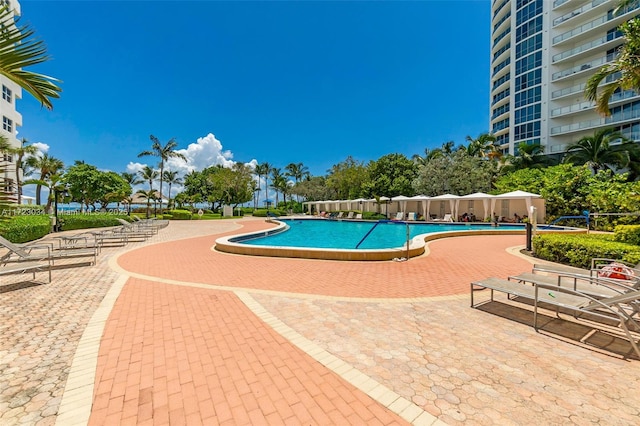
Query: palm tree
(482, 146)
(19, 49)
(148, 175)
(48, 166)
(147, 195)
(164, 153)
(447, 148)
(276, 178)
(263, 170)
(623, 73)
(20, 152)
(429, 154)
(597, 152)
(171, 178)
(298, 171)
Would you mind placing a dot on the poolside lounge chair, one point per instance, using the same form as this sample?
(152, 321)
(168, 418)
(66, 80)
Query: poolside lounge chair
(339, 215)
(350, 215)
(399, 216)
(447, 218)
(359, 216)
(606, 309)
(136, 230)
(42, 252)
(412, 216)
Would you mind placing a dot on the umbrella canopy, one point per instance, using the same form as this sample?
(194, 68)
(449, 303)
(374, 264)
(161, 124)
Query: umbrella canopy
(486, 200)
(453, 202)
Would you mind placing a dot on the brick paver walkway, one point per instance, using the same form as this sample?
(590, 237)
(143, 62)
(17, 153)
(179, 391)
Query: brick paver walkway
(194, 336)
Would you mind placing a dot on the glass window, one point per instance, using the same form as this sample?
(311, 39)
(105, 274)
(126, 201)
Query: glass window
(528, 63)
(530, 79)
(527, 130)
(531, 10)
(528, 97)
(6, 94)
(529, 28)
(7, 124)
(529, 45)
(529, 113)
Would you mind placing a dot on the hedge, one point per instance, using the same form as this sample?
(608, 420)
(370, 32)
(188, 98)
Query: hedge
(627, 234)
(180, 214)
(22, 229)
(90, 220)
(578, 250)
(263, 212)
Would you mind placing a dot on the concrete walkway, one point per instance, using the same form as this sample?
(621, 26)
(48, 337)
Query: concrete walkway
(172, 332)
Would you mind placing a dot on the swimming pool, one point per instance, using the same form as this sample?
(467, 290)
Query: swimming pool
(357, 235)
(338, 239)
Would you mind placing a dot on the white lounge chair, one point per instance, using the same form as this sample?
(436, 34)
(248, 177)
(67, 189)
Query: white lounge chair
(412, 216)
(447, 218)
(399, 216)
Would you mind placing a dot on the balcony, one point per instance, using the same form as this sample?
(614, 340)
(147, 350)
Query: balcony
(598, 122)
(593, 24)
(583, 67)
(582, 106)
(559, 3)
(587, 46)
(562, 19)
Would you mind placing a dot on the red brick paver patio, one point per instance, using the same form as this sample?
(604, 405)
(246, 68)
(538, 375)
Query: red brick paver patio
(173, 332)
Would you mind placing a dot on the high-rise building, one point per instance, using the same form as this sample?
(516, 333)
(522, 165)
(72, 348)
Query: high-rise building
(11, 118)
(542, 54)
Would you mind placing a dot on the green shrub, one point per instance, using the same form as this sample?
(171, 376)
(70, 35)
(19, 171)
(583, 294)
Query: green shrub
(167, 216)
(578, 250)
(629, 234)
(89, 220)
(22, 229)
(263, 212)
(180, 214)
(373, 216)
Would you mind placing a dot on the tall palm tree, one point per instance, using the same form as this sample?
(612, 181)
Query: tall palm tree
(149, 196)
(47, 165)
(171, 178)
(19, 49)
(447, 148)
(263, 170)
(276, 179)
(597, 151)
(20, 152)
(297, 171)
(623, 73)
(164, 153)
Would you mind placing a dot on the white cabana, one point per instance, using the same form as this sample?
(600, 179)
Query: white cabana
(424, 201)
(523, 196)
(402, 202)
(480, 196)
(453, 203)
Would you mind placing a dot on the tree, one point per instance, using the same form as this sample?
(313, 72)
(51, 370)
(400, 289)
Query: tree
(429, 154)
(529, 156)
(148, 196)
(597, 152)
(482, 146)
(314, 189)
(276, 179)
(391, 175)
(457, 174)
(164, 153)
(19, 49)
(83, 183)
(623, 73)
(147, 174)
(171, 178)
(19, 153)
(345, 180)
(263, 170)
(47, 165)
(297, 171)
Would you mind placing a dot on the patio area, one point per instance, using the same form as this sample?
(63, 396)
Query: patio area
(170, 331)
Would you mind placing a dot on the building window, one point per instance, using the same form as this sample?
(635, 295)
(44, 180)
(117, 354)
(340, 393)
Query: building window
(8, 185)
(527, 131)
(529, 45)
(528, 28)
(528, 113)
(530, 79)
(7, 124)
(528, 63)
(7, 158)
(7, 95)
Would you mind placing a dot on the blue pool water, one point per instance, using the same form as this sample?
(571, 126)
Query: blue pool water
(347, 234)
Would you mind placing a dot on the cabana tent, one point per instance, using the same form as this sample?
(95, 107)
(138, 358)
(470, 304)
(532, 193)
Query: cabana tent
(453, 204)
(424, 201)
(479, 196)
(519, 202)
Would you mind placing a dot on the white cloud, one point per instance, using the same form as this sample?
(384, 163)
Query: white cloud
(43, 148)
(207, 151)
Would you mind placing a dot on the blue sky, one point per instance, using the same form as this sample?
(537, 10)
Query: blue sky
(277, 82)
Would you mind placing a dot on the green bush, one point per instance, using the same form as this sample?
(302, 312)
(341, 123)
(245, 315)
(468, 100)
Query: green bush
(167, 216)
(180, 214)
(373, 216)
(22, 229)
(629, 234)
(89, 220)
(578, 250)
(263, 212)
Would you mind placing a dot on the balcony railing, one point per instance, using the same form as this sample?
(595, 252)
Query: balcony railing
(617, 118)
(594, 43)
(504, 3)
(577, 12)
(559, 3)
(589, 25)
(568, 91)
(588, 65)
(571, 108)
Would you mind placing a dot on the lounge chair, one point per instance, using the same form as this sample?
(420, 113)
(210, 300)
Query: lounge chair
(359, 216)
(593, 286)
(339, 215)
(598, 267)
(350, 215)
(136, 230)
(24, 267)
(399, 216)
(412, 216)
(41, 252)
(447, 218)
(606, 309)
